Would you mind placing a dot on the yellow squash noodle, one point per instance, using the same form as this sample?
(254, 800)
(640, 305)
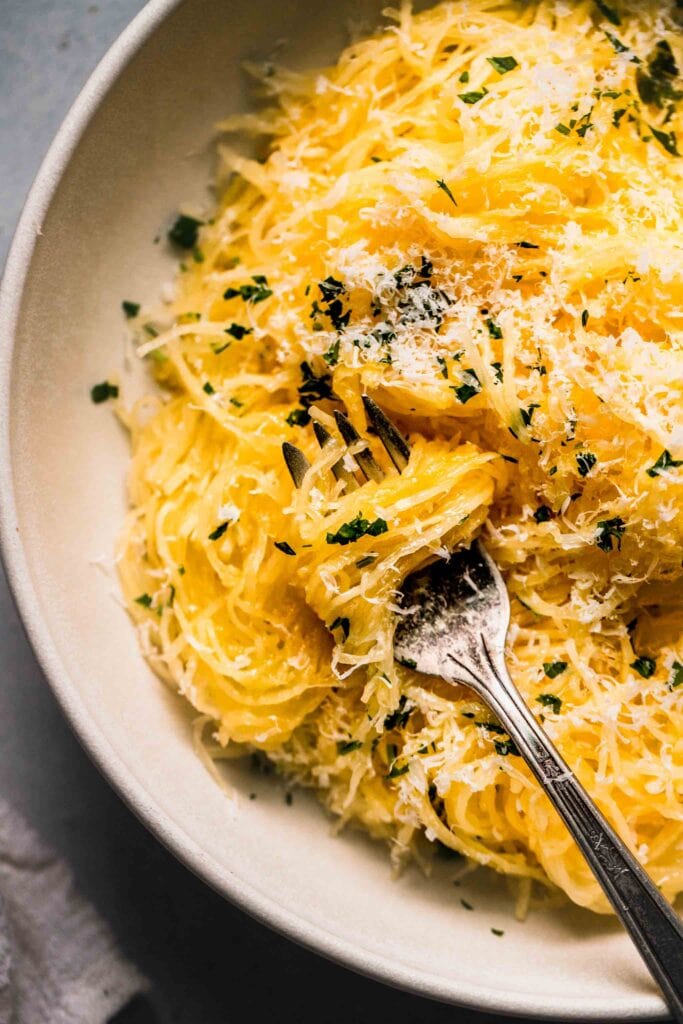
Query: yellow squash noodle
(474, 217)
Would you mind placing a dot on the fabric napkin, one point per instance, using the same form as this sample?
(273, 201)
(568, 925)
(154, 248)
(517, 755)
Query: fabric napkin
(58, 960)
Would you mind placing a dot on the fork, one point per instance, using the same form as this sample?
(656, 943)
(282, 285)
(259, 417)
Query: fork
(454, 623)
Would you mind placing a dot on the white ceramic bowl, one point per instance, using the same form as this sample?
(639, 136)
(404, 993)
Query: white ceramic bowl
(136, 144)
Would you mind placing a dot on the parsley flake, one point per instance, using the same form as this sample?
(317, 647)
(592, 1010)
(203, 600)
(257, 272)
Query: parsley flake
(585, 462)
(184, 232)
(256, 292)
(549, 700)
(130, 309)
(237, 331)
(543, 514)
(608, 12)
(473, 97)
(101, 392)
(676, 676)
(209, 388)
(343, 624)
(440, 183)
(503, 64)
(356, 528)
(667, 140)
(553, 669)
(347, 747)
(494, 329)
(505, 747)
(644, 666)
(469, 388)
(664, 462)
(219, 531)
(609, 531)
(284, 547)
(145, 600)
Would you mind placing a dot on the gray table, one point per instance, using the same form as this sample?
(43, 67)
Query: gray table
(193, 946)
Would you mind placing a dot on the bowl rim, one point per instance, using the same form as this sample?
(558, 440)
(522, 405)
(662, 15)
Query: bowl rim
(92, 738)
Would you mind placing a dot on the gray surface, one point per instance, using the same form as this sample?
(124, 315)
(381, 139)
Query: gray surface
(207, 961)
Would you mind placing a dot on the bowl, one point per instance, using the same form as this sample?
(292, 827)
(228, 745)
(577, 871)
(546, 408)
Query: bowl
(137, 143)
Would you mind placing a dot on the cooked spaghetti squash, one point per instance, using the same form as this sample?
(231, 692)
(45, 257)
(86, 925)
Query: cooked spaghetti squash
(475, 218)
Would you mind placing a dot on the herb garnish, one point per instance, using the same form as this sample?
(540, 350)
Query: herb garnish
(395, 771)
(365, 561)
(505, 747)
(347, 747)
(343, 624)
(145, 600)
(473, 97)
(331, 357)
(498, 371)
(553, 669)
(356, 528)
(609, 531)
(584, 318)
(101, 392)
(549, 700)
(185, 230)
(644, 666)
(440, 183)
(528, 413)
(284, 547)
(676, 677)
(208, 388)
(667, 140)
(503, 64)
(466, 905)
(619, 47)
(237, 331)
(608, 12)
(298, 418)
(497, 931)
(494, 329)
(585, 462)
(543, 514)
(562, 129)
(469, 388)
(398, 718)
(130, 309)
(464, 77)
(655, 86)
(664, 462)
(256, 292)
(219, 531)
(527, 245)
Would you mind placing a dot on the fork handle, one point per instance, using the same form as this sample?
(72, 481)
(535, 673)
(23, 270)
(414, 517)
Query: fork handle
(654, 926)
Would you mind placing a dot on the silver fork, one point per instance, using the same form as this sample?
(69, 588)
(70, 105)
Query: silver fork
(455, 621)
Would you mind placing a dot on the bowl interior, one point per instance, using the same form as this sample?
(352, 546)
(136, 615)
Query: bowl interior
(145, 147)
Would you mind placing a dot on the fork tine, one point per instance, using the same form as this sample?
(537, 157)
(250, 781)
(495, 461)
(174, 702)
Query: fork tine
(297, 463)
(324, 438)
(397, 448)
(365, 459)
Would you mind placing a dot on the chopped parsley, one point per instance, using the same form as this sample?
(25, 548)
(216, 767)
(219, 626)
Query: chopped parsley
(466, 905)
(219, 531)
(395, 771)
(209, 388)
(497, 931)
(644, 666)
(145, 600)
(543, 514)
(365, 561)
(331, 357)
(664, 462)
(101, 392)
(298, 418)
(256, 292)
(608, 12)
(585, 462)
(498, 372)
(527, 245)
(331, 291)
(509, 458)
(343, 624)
(464, 77)
(676, 676)
(528, 413)
(667, 140)
(356, 528)
(347, 747)
(473, 97)
(553, 669)
(562, 129)
(584, 317)
(284, 547)
(407, 662)
(440, 183)
(184, 232)
(469, 388)
(130, 309)
(494, 329)
(656, 84)
(237, 331)
(503, 64)
(442, 366)
(505, 747)
(313, 388)
(549, 700)
(398, 718)
(618, 46)
(609, 531)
